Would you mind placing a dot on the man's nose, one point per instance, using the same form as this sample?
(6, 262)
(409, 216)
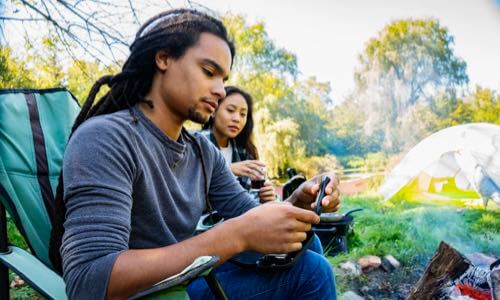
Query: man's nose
(218, 89)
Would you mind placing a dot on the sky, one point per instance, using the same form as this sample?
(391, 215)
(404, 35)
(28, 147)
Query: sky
(328, 36)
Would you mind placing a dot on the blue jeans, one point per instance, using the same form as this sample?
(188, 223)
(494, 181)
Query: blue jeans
(310, 278)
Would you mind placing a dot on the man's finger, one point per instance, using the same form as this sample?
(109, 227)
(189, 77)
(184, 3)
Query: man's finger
(332, 185)
(311, 188)
(330, 198)
(303, 227)
(292, 247)
(303, 215)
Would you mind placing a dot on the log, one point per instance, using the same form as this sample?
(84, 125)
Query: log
(495, 284)
(446, 266)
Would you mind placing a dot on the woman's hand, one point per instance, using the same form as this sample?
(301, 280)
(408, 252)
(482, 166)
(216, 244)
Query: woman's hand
(249, 168)
(267, 192)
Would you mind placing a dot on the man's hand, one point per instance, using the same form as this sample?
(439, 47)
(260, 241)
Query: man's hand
(267, 192)
(249, 168)
(274, 228)
(306, 193)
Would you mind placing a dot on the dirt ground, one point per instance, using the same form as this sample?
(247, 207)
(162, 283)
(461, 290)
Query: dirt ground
(353, 186)
(379, 284)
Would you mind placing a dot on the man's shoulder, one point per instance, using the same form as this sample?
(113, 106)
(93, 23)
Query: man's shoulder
(207, 133)
(108, 123)
(110, 128)
(202, 137)
(207, 145)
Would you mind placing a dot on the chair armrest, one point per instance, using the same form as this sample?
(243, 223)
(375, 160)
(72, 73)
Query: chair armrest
(35, 273)
(200, 267)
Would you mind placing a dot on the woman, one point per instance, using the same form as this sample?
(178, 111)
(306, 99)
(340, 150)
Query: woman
(230, 129)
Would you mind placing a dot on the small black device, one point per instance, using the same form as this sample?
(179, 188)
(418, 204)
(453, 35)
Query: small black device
(321, 194)
(283, 261)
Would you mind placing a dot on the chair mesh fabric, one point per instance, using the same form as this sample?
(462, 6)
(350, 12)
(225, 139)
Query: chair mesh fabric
(34, 129)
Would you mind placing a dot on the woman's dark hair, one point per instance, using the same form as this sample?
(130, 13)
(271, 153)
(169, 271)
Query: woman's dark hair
(244, 139)
(172, 31)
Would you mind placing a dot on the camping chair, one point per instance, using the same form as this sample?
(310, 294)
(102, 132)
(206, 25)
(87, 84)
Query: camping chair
(34, 128)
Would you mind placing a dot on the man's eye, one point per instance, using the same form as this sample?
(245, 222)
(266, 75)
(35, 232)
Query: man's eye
(208, 72)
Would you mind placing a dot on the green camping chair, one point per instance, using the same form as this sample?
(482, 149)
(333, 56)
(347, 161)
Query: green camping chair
(34, 128)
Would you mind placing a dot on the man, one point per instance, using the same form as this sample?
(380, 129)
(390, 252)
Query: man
(135, 182)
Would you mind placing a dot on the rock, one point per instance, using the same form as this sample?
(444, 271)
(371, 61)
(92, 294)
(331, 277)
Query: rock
(389, 263)
(479, 259)
(351, 268)
(16, 282)
(369, 262)
(350, 295)
(365, 290)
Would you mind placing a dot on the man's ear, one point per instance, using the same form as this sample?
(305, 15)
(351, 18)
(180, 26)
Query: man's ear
(162, 60)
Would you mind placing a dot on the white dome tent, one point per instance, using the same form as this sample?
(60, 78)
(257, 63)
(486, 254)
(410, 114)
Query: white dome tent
(460, 162)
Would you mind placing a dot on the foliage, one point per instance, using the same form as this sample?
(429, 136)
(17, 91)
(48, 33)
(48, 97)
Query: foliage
(371, 162)
(409, 62)
(313, 165)
(15, 238)
(291, 114)
(82, 75)
(278, 143)
(348, 128)
(13, 72)
(406, 89)
(412, 232)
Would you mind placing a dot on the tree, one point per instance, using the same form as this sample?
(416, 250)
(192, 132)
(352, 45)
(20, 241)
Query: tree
(83, 74)
(13, 72)
(260, 66)
(350, 137)
(483, 105)
(99, 29)
(291, 114)
(409, 62)
(278, 143)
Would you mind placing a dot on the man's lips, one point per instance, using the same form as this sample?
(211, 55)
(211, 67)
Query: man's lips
(211, 103)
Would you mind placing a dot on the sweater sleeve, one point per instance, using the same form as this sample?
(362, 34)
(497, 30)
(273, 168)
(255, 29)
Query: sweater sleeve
(98, 173)
(225, 193)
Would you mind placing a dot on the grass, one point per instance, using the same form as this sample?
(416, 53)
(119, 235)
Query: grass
(411, 232)
(15, 238)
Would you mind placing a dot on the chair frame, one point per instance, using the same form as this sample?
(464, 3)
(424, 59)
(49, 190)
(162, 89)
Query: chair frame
(9, 253)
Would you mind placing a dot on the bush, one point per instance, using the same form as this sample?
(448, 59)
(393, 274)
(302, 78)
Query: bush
(314, 165)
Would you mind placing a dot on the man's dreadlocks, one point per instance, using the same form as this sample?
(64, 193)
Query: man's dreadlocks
(173, 32)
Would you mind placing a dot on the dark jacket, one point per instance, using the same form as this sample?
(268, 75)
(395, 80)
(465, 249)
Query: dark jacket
(239, 154)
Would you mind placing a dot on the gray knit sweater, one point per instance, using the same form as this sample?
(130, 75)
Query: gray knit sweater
(129, 186)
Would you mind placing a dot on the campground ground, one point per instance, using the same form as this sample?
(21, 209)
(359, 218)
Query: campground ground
(410, 232)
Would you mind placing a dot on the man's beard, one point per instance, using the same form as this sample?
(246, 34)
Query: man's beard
(196, 116)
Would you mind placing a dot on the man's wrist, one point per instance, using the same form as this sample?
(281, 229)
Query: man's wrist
(237, 231)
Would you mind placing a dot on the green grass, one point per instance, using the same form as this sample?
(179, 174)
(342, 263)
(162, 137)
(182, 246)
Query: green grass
(15, 238)
(411, 232)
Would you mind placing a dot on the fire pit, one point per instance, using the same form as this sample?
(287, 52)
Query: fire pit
(450, 275)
